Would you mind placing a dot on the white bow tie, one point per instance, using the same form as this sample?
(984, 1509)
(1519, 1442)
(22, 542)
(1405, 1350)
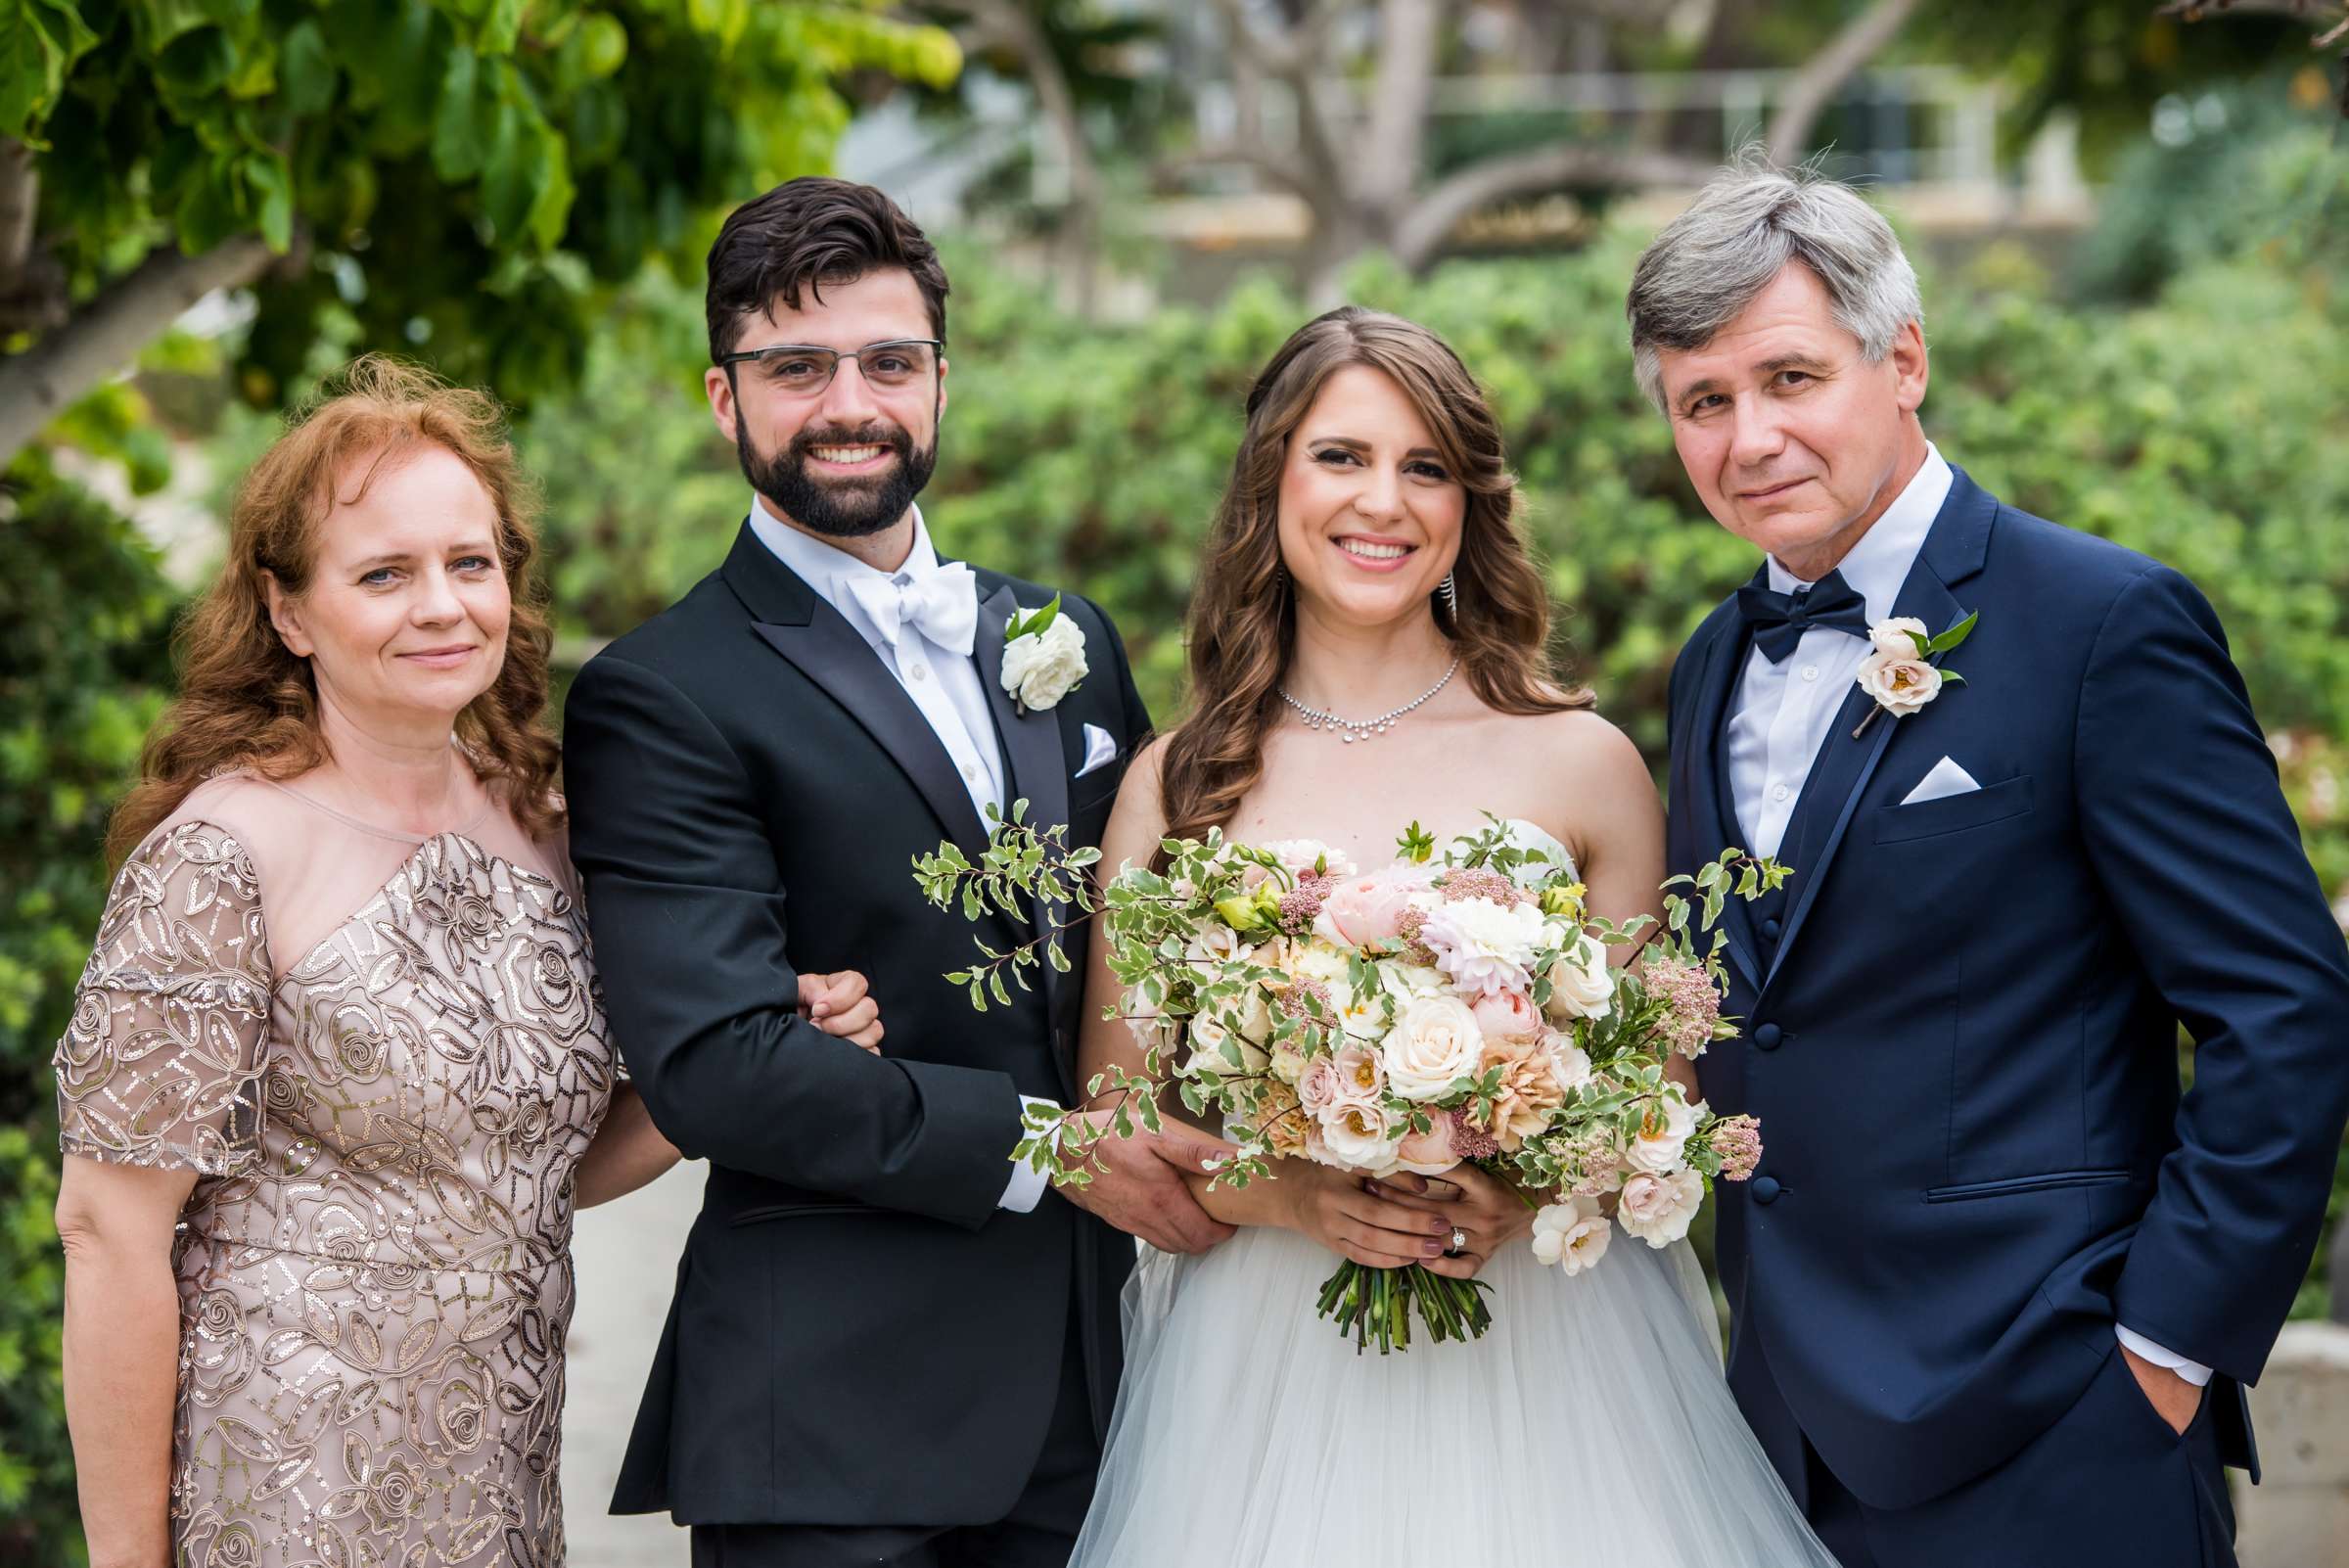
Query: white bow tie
(941, 604)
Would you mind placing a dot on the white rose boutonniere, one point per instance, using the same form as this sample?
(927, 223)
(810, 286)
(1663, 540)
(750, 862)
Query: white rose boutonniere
(1900, 674)
(1043, 657)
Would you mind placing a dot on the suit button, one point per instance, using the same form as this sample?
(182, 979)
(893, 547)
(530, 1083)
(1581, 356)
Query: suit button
(1766, 1189)
(1768, 1036)
(1771, 928)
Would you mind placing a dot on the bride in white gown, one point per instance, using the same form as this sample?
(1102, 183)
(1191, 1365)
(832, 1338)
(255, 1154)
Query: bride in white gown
(1367, 648)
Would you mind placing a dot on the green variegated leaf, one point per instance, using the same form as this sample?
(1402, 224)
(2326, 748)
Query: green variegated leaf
(1955, 636)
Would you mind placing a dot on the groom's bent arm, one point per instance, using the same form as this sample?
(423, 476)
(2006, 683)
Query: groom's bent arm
(686, 907)
(2187, 829)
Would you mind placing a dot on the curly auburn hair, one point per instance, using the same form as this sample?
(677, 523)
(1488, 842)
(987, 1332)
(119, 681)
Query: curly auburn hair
(1242, 627)
(246, 700)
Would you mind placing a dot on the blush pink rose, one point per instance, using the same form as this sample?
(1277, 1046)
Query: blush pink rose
(1507, 1015)
(1429, 1153)
(1900, 683)
(1317, 1085)
(1358, 1077)
(1361, 911)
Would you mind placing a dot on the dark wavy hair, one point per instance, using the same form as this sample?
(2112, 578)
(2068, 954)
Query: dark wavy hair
(1242, 625)
(804, 234)
(246, 700)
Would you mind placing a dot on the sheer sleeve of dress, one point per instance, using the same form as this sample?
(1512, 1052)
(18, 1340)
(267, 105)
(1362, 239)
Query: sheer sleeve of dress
(162, 1063)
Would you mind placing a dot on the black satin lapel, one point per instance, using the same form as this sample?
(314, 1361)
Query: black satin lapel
(1707, 783)
(1840, 774)
(828, 651)
(1040, 768)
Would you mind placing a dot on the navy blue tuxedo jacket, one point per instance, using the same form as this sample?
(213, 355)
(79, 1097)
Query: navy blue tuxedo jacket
(1960, 1021)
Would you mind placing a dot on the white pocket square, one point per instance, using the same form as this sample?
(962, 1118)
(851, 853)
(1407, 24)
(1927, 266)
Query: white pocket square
(1946, 779)
(1099, 750)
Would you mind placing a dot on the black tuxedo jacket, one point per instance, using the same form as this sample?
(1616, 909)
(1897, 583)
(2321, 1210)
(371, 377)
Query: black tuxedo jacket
(1962, 1019)
(860, 1335)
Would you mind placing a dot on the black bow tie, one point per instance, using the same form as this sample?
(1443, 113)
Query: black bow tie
(1780, 619)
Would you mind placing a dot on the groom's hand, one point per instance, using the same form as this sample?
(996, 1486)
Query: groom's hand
(2174, 1399)
(1137, 1184)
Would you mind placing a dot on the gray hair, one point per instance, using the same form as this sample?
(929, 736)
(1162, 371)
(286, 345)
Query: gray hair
(1750, 220)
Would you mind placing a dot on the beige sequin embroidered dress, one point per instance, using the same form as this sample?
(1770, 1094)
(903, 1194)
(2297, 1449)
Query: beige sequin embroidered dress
(374, 1264)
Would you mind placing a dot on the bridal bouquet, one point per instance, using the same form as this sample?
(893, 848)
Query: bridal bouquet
(1454, 1006)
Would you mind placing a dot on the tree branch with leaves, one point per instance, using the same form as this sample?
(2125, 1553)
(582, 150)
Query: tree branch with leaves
(467, 179)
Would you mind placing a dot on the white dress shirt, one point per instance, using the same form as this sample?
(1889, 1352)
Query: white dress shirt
(944, 685)
(1782, 713)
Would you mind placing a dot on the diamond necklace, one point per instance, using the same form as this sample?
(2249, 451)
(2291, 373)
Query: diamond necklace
(1354, 730)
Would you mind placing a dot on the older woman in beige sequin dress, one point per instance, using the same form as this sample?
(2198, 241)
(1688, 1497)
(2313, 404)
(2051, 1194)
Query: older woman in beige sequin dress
(337, 1071)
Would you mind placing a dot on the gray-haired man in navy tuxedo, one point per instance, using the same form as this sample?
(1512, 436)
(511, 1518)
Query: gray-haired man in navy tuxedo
(1998, 1284)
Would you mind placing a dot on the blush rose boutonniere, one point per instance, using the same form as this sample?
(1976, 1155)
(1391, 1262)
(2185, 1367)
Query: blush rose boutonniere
(1043, 657)
(1900, 673)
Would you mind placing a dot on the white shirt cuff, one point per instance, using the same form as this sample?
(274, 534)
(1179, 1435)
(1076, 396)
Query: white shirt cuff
(1027, 1183)
(2193, 1372)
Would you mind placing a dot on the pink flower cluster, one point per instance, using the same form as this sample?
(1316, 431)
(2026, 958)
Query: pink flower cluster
(1290, 1001)
(1468, 1141)
(1303, 903)
(1738, 1140)
(1692, 1008)
(1596, 1161)
(1414, 949)
(1480, 882)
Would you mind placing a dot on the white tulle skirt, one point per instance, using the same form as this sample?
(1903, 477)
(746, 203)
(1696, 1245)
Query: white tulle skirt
(1591, 1425)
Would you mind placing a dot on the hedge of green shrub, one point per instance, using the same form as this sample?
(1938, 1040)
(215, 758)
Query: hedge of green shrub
(83, 613)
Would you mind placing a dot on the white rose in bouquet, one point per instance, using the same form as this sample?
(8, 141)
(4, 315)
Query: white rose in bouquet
(1300, 856)
(1149, 1024)
(1288, 1063)
(1407, 981)
(1208, 1035)
(1573, 1235)
(1657, 1149)
(1657, 1209)
(1581, 985)
(1315, 960)
(1435, 1041)
(1357, 1136)
(1212, 946)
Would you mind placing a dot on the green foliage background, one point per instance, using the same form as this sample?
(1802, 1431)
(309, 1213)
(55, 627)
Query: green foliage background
(464, 179)
(83, 613)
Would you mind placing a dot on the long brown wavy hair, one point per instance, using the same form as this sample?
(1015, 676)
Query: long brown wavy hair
(1242, 625)
(246, 700)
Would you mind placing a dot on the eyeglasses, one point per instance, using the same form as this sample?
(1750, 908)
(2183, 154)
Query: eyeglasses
(802, 369)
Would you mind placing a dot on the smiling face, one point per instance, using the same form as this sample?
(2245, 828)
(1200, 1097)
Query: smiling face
(405, 615)
(1793, 439)
(849, 460)
(1371, 513)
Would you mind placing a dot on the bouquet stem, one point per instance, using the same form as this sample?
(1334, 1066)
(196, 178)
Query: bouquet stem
(1375, 1306)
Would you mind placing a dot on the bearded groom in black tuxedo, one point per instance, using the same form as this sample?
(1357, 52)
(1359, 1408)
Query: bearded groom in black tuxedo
(889, 1344)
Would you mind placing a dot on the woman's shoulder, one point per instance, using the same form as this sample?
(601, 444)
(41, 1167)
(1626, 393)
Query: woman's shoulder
(1579, 739)
(237, 806)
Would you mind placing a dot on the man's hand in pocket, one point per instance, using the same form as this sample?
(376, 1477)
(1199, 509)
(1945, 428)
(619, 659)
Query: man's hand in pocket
(2174, 1399)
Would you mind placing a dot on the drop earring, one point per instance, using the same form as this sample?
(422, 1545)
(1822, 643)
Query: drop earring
(1451, 598)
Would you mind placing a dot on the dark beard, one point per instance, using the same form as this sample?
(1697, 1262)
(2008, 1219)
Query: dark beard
(841, 509)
